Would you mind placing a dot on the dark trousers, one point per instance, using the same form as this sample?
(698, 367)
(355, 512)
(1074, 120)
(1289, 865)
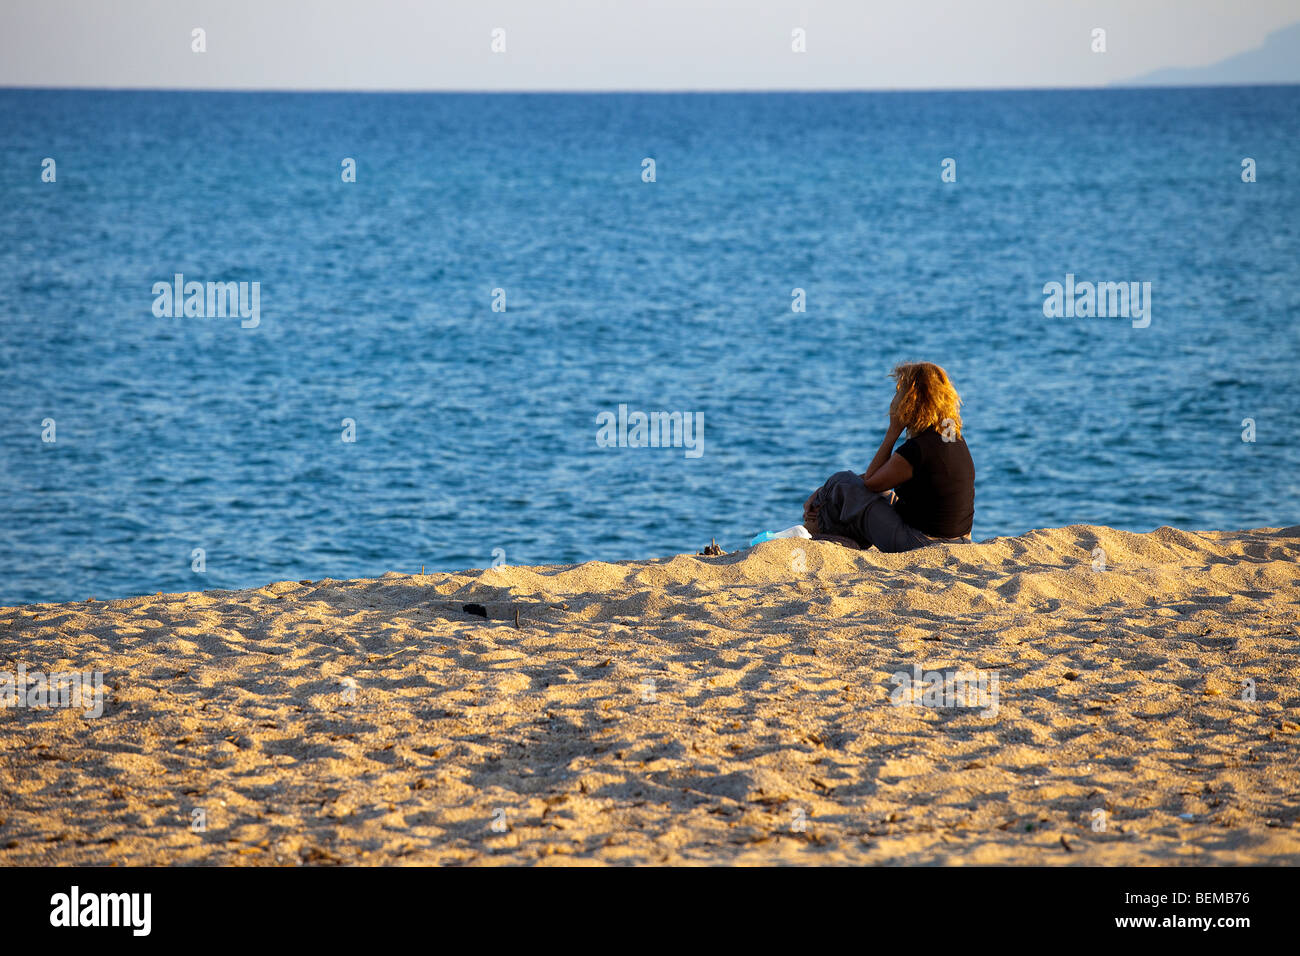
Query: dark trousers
(844, 511)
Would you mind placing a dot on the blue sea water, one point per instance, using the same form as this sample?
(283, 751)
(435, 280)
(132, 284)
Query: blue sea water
(476, 429)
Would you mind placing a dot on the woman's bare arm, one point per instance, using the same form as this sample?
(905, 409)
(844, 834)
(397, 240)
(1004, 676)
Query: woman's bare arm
(884, 451)
(888, 470)
(891, 474)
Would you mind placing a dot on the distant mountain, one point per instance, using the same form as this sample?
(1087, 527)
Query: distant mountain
(1277, 61)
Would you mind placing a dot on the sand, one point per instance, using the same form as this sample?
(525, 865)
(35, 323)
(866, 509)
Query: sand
(738, 709)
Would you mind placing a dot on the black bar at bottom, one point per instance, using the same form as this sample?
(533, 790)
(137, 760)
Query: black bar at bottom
(338, 906)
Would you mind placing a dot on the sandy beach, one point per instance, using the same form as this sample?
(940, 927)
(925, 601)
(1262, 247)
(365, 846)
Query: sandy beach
(740, 709)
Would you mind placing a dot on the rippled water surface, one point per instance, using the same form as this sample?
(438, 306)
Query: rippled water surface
(476, 430)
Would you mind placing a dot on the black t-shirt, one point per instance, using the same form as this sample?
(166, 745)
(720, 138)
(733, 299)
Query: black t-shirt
(939, 498)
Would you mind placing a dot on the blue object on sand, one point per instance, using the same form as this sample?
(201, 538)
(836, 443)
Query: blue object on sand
(798, 531)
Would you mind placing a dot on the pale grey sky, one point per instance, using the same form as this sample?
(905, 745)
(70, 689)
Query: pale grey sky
(618, 44)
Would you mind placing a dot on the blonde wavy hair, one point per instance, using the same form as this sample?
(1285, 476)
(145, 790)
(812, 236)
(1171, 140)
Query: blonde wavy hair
(927, 398)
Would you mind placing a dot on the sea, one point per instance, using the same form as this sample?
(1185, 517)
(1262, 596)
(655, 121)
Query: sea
(424, 329)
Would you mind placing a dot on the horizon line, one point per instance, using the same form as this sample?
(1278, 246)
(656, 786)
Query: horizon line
(562, 91)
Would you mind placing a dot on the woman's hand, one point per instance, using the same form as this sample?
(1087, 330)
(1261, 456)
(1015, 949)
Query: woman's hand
(886, 448)
(895, 423)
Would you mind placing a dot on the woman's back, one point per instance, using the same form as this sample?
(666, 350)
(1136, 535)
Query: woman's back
(939, 498)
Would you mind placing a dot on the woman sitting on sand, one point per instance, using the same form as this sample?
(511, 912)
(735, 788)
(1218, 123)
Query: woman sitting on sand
(921, 494)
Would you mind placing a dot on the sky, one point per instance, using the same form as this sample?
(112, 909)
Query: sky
(618, 44)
